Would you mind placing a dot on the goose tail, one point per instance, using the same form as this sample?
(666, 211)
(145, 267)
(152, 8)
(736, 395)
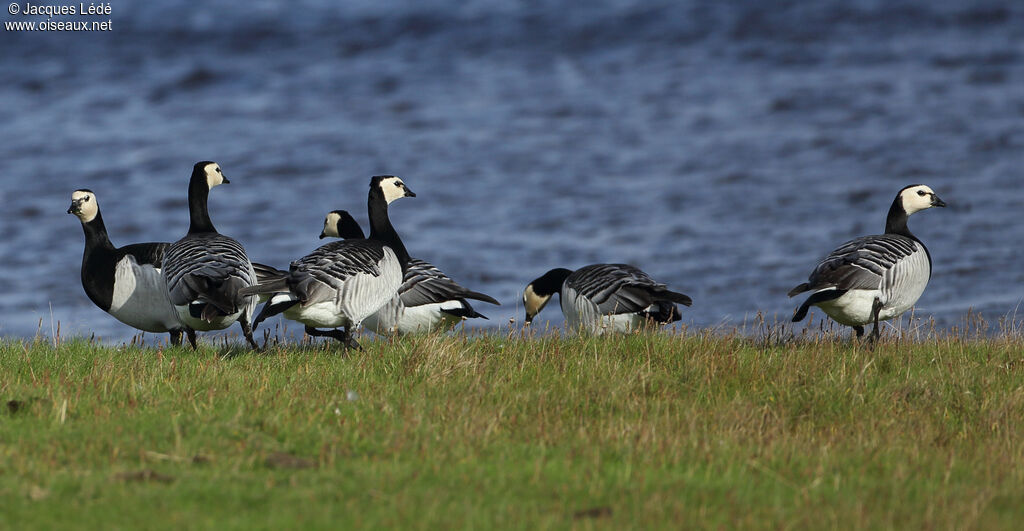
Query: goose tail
(476, 295)
(675, 297)
(278, 285)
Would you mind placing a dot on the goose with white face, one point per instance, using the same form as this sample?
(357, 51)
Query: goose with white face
(83, 205)
(874, 278)
(331, 226)
(918, 198)
(602, 298)
(393, 188)
(214, 175)
(125, 282)
(427, 300)
(205, 271)
(533, 302)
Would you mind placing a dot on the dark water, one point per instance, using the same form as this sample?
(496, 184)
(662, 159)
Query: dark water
(721, 146)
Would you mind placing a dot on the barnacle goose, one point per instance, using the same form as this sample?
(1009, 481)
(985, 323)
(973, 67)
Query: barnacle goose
(604, 297)
(343, 282)
(428, 300)
(125, 281)
(874, 278)
(205, 271)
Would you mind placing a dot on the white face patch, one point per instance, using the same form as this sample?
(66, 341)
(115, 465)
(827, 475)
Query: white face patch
(214, 176)
(917, 198)
(331, 225)
(83, 205)
(393, 188)
(534, 303)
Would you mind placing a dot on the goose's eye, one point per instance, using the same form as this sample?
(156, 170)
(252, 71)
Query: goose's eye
(398, 184)
(922, 193)
(86, 199)
(218, 170)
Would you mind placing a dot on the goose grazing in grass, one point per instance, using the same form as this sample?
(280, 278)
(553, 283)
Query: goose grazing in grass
(874, 278)
(205, 271)
(428, 300)
(604, 297)
(343, 282)
(125, 281)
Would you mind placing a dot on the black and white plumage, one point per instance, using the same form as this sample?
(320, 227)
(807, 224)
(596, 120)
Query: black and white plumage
(604, 297)
(342, 283)
(125, 282)
(874, 278)
(428, 300)
(206, 271)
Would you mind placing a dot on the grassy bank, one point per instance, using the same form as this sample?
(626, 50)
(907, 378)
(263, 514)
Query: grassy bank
(647, 430)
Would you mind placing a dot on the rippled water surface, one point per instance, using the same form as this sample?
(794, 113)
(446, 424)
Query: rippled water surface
(721, 146)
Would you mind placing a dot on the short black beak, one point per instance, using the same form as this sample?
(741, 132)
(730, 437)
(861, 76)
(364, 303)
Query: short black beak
(322, 235)
(71, 209)
(936, 202)
(409, 193)
(226, 181)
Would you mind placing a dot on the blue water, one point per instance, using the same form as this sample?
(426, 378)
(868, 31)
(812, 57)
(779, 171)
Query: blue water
(721, 146)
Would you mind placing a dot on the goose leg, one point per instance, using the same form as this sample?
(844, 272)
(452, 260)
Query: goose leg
(192, 338)
(313, 332)
(875, 308)
(341, 335)
(247, 332)
(859, 330)
(175, 338)
(350, 342)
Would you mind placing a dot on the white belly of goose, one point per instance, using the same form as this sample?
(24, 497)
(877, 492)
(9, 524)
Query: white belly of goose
(322, 314)
(357, 298)
(900, 288)
(218, 323)
(583, 315)
(394, 317)
(139, 297)
(429, 317)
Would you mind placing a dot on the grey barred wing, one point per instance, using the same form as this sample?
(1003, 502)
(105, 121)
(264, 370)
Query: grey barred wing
(211, 265)
(861, 263)
(424, 283)
(615, 288)
(321, 273)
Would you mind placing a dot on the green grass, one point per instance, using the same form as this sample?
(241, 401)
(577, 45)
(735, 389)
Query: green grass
(651, 430)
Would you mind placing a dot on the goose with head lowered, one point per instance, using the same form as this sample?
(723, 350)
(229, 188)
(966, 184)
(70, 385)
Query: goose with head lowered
(428, 300)
(125, 281)
(205, 272)
(874, 278)
(343, 282)
(603, 298)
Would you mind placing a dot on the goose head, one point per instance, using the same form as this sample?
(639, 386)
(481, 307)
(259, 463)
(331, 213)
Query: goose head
(539, 292)
(918, 197)
(83, 205)
(341, 224)
(209, 171)
(390, 187)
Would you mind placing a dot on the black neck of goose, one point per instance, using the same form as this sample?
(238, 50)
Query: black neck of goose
(381, 228)
(551, 282)
(348, 228)
(96, 234)
(896, 222)
(198, 211)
